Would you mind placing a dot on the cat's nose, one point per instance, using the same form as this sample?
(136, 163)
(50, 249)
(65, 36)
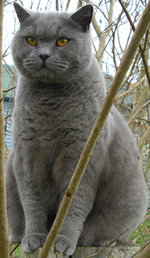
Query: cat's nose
(44, 57)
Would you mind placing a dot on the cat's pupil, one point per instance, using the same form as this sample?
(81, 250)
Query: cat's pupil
(62, 42)
(31, 41)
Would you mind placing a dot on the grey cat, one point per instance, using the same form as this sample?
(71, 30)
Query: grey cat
(59, 93)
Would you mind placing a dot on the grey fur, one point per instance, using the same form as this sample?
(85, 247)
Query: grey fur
(55, 108)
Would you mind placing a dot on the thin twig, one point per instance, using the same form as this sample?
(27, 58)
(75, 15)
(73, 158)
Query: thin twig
(130, 122)
(12, 251)
(142, 234)
(141, 253)
(67, 5)
(113, 241)
(6, 117)
(130, 90)
(140, 47)
(102, 35)
(5, 91)
(79, 3)
(144, 138)
(57, 5)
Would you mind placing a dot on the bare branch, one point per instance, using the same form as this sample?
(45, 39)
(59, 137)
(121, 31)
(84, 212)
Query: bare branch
(140, 47)
(139, 106)
(67, 5)
(57, 5)
(130, 90)
(113, 241)
(144, 138)
(102, 35)
(143, 252)
(4, 250)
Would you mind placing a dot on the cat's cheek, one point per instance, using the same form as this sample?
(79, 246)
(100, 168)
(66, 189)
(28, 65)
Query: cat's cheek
(32, 64)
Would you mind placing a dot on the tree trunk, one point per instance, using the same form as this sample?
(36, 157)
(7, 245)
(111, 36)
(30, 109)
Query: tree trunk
(3, 222)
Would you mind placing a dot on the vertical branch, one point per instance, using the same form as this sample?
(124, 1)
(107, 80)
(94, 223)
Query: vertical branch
(103, 35)
(113, 38)
(3, 221)
(106, 33)
(79, 4)
(138, 107)
(57, 5)
(140, 47)
(144, 138)
(67, 5)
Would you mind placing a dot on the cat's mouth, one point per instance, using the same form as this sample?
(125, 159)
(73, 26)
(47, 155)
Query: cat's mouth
(43, 66)
(45, 70)
(45, 73)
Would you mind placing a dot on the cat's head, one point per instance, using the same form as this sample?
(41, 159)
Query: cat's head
(52, 46)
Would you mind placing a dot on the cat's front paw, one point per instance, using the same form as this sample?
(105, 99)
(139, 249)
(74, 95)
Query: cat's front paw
(13, 238)
(65, 245)
(32, 242)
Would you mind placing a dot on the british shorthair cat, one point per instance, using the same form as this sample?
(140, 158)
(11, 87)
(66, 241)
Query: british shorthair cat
(60, 92)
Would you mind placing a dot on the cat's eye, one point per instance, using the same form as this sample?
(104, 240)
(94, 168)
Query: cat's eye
(62, 42)
(31, 41)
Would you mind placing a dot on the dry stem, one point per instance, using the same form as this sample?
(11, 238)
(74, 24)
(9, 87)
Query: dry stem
(122, 95)
(4, 250)
(113, 241)
(145, 137)
(144, 252)
(102, 35)
(140, 47)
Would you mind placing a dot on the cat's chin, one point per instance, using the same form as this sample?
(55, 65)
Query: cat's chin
(47, 78)
(43, 75)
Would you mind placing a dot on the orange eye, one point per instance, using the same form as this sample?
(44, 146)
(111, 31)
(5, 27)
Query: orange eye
(62, 42)
(31, 41)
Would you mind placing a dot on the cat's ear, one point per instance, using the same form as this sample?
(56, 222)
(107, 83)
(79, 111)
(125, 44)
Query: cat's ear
(83, 16)
(21, 12)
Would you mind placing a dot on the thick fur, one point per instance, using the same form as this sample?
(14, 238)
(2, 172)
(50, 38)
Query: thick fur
(56, 104)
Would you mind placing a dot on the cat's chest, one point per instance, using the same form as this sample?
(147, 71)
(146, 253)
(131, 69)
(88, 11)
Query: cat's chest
(52, 111)
(50, 116)
(52, 105)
